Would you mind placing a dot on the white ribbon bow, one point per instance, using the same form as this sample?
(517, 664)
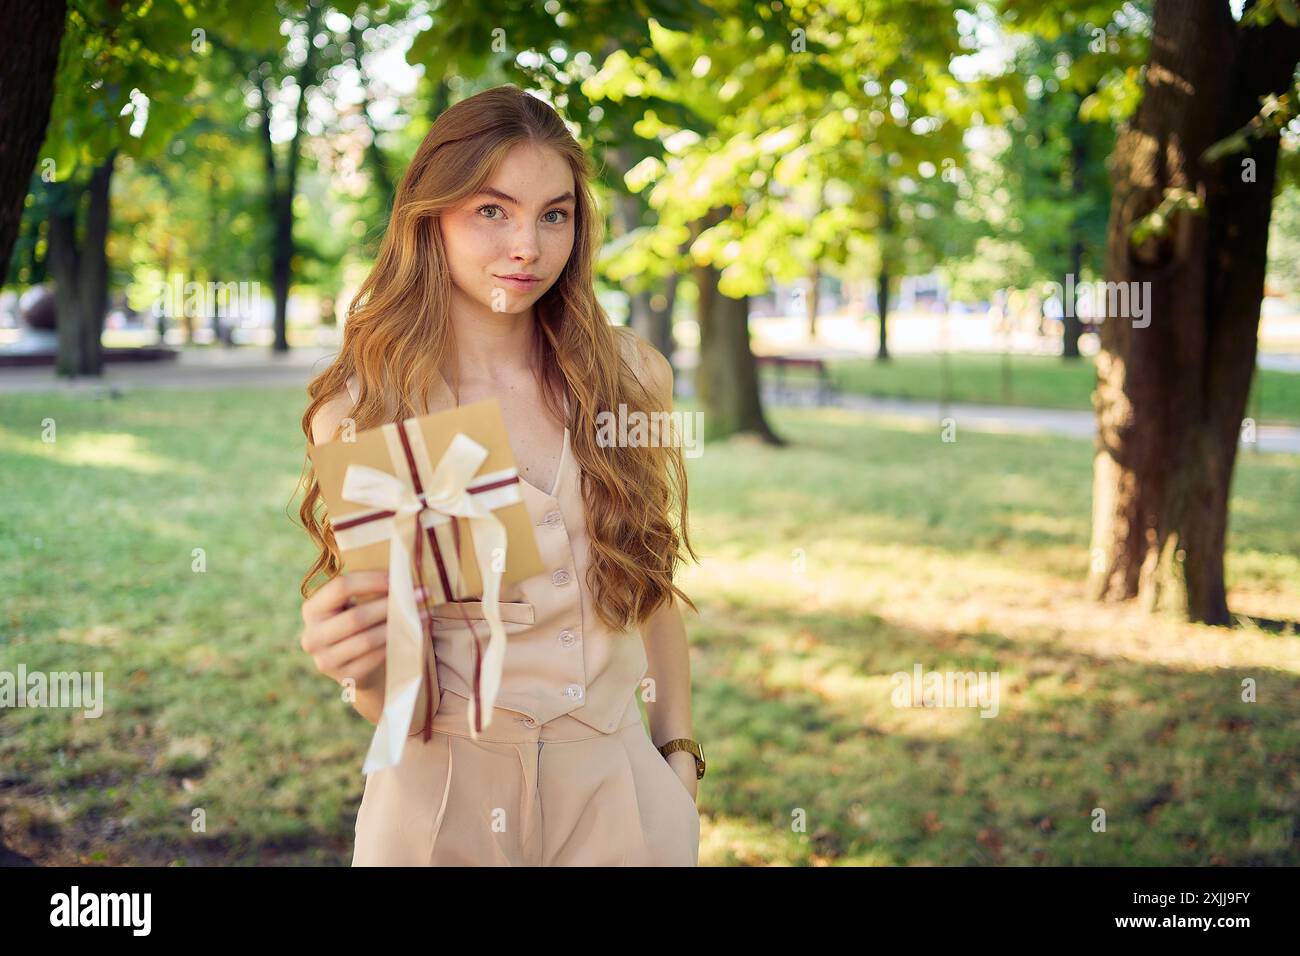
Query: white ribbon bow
(447, 493)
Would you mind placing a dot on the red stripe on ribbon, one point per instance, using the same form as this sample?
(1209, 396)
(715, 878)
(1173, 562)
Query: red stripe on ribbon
(344, 523)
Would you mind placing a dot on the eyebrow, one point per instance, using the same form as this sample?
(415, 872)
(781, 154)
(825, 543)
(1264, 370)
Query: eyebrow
(489, 191)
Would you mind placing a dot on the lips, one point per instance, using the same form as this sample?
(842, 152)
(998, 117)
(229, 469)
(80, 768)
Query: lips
(523, 284)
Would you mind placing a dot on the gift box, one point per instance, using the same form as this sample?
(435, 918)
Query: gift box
(434, 499)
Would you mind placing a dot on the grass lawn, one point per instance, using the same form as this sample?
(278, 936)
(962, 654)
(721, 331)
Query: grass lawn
(865, 549)
(1034, 380)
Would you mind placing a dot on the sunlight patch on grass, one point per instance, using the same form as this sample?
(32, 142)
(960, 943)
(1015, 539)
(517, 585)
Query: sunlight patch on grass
(96, 635)
(114, 450)
(1051, 526)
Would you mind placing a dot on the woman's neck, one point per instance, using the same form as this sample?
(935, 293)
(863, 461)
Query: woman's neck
(490, 346)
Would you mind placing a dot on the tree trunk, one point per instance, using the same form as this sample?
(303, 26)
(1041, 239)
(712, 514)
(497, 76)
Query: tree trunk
(1171, 394)
(63, 268)
(654, 324)
(220, 325)
(882, 307)
(79, 268)
(726, 379)
(162, 315)
(281, 194)
(27, 73)
(282, 266)
(93, 261)
(1070, 315)
(661, 319)
(882, 280)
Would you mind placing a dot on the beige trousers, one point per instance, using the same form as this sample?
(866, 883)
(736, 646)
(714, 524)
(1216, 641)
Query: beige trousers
(555, 794)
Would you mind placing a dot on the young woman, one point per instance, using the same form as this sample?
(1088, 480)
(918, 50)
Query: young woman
(483, 289)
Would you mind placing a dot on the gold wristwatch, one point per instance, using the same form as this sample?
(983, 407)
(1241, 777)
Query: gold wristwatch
(691, 747)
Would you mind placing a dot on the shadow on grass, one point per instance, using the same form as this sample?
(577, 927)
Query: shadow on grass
(1185, 771)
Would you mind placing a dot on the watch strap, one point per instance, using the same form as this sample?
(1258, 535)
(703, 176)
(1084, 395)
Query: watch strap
(690, 746)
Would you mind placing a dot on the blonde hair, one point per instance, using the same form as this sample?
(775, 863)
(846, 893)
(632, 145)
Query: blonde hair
(398, 331)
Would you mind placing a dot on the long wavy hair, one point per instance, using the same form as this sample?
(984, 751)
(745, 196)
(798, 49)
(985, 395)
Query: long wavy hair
(398, 331)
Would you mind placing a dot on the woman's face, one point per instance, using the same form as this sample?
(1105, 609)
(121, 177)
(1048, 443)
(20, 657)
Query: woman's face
(519, 224)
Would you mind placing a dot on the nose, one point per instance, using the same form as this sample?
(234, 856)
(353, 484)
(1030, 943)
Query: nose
(524, 247)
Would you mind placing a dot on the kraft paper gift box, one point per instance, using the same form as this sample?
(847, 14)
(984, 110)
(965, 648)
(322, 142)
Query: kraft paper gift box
(434, 499)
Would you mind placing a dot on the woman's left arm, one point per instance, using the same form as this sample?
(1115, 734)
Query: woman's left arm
(664, 631)
(669, 666)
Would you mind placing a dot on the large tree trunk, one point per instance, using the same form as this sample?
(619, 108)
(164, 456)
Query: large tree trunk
(63, 269)
(79, 267)
(27, 72)
(1171, 395)
(726, 378)
(94, 267)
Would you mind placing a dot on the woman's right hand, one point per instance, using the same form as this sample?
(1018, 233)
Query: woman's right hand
(345, 625)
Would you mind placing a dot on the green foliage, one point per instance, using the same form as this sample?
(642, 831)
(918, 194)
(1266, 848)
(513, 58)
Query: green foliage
(124, 71)
(1277, 112)
(1263, 12)
(827, 135)
(1284, 243)
(1155, 224)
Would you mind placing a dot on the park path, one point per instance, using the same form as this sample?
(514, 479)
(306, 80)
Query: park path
(1007, 419)
(215, 367)
(259, 367)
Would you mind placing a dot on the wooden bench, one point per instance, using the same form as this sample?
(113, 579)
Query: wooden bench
(826, 391)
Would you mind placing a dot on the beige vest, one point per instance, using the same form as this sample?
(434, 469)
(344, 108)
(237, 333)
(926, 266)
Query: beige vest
(560, 658)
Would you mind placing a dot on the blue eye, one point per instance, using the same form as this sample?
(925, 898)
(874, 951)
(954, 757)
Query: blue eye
(489, 206)
(556, 222)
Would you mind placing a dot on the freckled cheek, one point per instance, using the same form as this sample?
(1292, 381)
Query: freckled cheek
(556, 249)
(483, 244)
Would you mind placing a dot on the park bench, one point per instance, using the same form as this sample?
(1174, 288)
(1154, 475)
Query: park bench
(826, 391)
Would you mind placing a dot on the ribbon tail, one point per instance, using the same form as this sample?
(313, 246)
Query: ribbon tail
(426, 632)
(404, 655)
(489, 535)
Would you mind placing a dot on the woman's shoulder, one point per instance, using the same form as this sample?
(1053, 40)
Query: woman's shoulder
(325, 421)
